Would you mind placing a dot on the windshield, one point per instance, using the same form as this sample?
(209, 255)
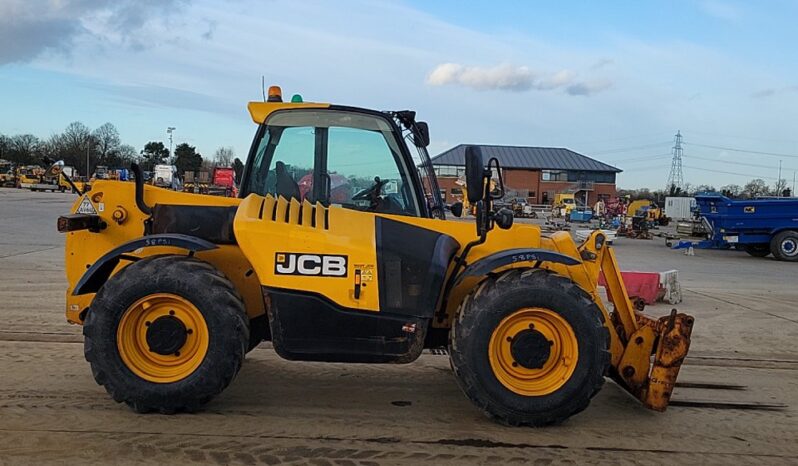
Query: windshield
(336, 157)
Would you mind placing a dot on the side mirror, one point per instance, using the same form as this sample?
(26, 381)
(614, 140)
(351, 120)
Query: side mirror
(474, 173)
(54, 169)
(421, 135)
(457, 209)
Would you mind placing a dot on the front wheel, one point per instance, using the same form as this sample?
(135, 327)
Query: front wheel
(529, 348)
(166, 333)
(784, 246)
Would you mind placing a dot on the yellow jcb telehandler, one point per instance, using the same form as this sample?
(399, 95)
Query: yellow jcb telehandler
(338, 250)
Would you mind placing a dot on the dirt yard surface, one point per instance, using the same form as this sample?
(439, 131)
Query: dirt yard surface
(51, 410)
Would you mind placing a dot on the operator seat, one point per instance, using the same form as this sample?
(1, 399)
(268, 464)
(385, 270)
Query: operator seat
(286, 186)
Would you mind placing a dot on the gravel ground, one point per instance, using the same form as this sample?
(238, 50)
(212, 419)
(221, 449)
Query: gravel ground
(51, 411)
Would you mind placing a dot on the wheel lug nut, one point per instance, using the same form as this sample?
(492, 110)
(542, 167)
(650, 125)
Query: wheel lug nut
(189, 331)
(515, 364)
(532, 326)
(510, 339)
(147, 324)
(177, 353)
(171, 312)
(551, 342)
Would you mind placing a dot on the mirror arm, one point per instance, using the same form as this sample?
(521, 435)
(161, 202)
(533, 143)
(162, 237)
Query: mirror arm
(72, 184)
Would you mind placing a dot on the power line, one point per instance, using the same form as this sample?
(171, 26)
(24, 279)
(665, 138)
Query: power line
(731, 173)
(638, 169)
(624, 138)
(734, 149)
(629, 149)
(732, 162)
(737, 136)
(642, 159)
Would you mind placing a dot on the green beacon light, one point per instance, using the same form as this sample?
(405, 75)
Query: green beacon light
(296, 99)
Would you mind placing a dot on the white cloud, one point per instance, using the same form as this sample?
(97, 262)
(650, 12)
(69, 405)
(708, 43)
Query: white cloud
(507, 77)
(501, 77)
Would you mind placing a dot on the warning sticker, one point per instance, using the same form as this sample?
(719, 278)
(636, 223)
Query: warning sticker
(366, 272)
(86, 207)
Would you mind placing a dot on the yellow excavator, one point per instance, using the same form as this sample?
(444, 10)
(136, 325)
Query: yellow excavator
(338, 250)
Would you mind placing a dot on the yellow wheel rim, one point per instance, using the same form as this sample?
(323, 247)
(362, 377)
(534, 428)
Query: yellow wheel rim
(552, 371)
(135, 351)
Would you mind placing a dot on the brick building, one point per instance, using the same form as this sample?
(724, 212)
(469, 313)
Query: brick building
(534, 173)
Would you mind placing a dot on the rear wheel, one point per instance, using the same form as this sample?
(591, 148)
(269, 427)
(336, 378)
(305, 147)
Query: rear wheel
(166, 334)
(529, 348)
(784, 246)
(757, 250)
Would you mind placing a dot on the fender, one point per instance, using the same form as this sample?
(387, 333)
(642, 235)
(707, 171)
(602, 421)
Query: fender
(495, 261)
(98, 273)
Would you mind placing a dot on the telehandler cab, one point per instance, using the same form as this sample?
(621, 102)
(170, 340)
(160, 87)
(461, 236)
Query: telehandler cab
(338, 250)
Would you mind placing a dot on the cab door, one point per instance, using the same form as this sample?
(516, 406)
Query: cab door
(327, 226)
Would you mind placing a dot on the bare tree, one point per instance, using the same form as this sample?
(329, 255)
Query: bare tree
(24, 148)
(108, 142)
(756, 187)
(5, 146)
(705, 188)
(127, 154)
(779, 187)
(224, 156)
(76, 143)
(731, 190)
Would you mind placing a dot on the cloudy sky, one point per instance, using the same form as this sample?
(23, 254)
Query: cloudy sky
(612, 80)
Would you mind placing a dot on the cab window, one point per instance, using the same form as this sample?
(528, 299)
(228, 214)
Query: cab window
(338, 158)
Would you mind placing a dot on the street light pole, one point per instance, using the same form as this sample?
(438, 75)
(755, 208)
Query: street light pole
(169, 131)
(87, 160)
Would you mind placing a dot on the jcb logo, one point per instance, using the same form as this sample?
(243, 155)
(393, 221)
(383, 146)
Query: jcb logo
(325, 265)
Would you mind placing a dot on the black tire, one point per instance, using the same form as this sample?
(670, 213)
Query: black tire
(757, 250)
(784, 246)
(199, 283)
(483, 310)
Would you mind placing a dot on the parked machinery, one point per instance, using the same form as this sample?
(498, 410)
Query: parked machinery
(563, 204)
(653, 214)
(374, 276)
(759, 226)
(220, 182)
(196, 182)
(28, 175)
(8, 177)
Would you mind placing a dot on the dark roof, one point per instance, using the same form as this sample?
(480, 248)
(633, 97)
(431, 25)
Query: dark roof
(541, 158)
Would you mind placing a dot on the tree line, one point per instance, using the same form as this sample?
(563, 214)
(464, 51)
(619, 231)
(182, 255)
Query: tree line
(754, 188)
(79, 144)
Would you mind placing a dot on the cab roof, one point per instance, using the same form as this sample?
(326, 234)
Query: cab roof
(259, 111)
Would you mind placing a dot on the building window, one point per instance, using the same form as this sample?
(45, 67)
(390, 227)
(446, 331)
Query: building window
(449, 170)
(554, 175)
(457, 191)
(530, 194)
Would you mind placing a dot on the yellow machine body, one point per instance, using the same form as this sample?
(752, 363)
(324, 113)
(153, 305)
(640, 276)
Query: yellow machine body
(331, 255)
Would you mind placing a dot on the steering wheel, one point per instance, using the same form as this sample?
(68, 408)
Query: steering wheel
(372, 193)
